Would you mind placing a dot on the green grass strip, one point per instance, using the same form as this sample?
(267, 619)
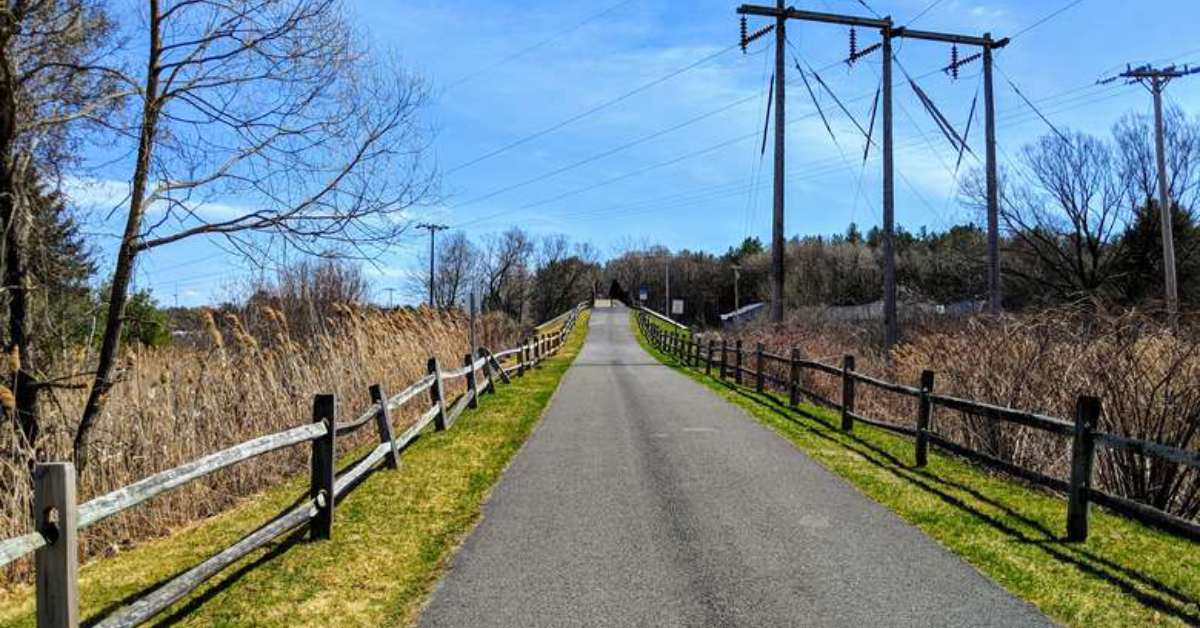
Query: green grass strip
(392, 536)
(1126, 574)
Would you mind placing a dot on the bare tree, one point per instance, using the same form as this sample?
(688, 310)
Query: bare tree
(564, 276)
(1134, 135)
(263, 122)
(52, 90)
(1064, 206)
(457, 261)
(506, 272)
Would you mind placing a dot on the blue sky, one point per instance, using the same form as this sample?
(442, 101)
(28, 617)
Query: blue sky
(678, 162)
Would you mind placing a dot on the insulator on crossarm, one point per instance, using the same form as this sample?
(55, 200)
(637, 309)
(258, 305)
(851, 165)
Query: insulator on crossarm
(744, 33)
(954, 61)
(853, 43)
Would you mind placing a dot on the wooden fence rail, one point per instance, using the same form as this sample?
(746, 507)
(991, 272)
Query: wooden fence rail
(58, 517)
(667, 336)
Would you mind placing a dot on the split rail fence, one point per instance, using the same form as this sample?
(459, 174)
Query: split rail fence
(730, 361)
(58, 518)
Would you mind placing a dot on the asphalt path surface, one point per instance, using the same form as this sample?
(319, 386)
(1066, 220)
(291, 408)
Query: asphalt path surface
(643, 499)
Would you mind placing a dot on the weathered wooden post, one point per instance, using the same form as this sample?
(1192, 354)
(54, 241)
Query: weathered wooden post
(383, 421)
(724, 356)
(924, 409)
(472, 387)
(794, 378)
(737, 357)
(471, 335)
(760, 377)
(490, 386)
(437, 395)
(57, 563)
(521, 359)
(320, 488)
(709, 358)
(1083, 449)
(848, 393)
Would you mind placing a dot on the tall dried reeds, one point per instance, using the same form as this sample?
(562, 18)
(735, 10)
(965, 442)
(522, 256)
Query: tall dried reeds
(1147, 377)
(174, 405)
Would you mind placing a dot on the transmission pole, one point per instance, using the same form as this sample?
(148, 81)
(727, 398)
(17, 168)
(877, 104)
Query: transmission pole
(1155, 80)
(891, 327)
(887, 33)
(667, 296)
(993, 185)
(777, 243)
(433, 229)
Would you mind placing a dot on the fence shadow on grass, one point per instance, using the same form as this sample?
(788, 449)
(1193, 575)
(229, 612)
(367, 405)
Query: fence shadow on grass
(1162, 597)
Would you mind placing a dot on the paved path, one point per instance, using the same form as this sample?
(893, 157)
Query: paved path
(643, 499)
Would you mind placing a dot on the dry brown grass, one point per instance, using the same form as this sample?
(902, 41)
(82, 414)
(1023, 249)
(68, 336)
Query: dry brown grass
(177, 404)
(1147, 377)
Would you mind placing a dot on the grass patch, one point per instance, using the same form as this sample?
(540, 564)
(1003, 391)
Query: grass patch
(1125, 574)
(392, 536)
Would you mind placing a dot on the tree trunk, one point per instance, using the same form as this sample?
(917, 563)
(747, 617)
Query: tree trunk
(130, 247)
(15, 222)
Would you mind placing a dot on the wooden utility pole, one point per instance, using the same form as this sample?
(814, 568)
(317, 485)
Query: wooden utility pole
(667, 296)
(777, 239)
(891, 323)
(987, 46)
(993, 186)
(1155, 80)
(433, 229)
(887, 33)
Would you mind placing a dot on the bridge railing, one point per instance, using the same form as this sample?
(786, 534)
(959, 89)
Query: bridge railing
(58, 518)
(729, 361)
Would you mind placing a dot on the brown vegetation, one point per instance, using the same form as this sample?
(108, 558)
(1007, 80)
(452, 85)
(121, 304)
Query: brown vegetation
(176, 404)
(1148, 379)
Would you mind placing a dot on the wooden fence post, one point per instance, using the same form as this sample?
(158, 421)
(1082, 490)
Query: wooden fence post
(487, 371)
(737, 370)
(383, 421)
(1083, 449)
(794, 379)
(724, 356)
(709, 358)
(521, 359)
(436, 395)
(847, 393)
(57, 563)
(320, 487)
(924, 409)
(472, 386)
(760, 377)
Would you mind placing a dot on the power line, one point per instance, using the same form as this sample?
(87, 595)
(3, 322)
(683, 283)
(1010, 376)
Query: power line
(1008, 120)
(820, 168)
(528, 49)
(1047, 18)
(922, 13)
(591, 111)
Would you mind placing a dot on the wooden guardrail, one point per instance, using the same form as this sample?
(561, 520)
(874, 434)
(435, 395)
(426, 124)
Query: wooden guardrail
(1082, 431)
(58, 518)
